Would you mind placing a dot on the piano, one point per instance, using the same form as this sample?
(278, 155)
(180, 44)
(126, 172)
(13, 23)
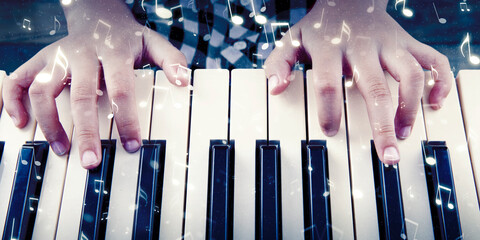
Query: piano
(223, 159)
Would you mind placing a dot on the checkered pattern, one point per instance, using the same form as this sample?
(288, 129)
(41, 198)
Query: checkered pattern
(204, 33)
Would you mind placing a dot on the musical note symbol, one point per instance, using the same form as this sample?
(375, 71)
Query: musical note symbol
(181, 71)
(345, 29)
(237, 20)
(266, 44)
(416, 228)
(60, 60)
(26, 24)
(108, 36)
(255, 58)
(279, 27)
(143, 196)
(32, 203)
(114, 110)
(177, 13)
(264, 7)
(464, 6)
(98, 185)
(55, 21)
(438, 198)
(66, 2)
(407, 12)
(207, 36)
(319, 25)
(434, 75)
(260, 19)
(371, 8)
(355, 77)
(440, 20)
(473, 58)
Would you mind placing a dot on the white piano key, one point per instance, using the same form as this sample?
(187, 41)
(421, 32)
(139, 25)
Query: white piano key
(468, 85)
(418, 220)
(74, 188)
(339, 174)
(209, 121)
(125, 171)
(363, 188)
(287, 124)
(170, 122)
(446, 124)
(248, 123)
(2, 76)
(54, 177)
(14, 138)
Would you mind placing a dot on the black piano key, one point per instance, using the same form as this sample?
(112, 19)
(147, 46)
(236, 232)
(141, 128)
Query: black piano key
(220, 190)
(316, 192)
(441, 191)
(388, 191)
(27, 185)
(93, 220)
(268, 196)
(2, 144)
(146, 223)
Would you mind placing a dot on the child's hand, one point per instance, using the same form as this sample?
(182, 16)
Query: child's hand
(375, 42)
(90, 56)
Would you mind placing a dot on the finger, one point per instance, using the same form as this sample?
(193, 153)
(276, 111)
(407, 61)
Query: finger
(119, 79)
(372, 85)
(162, 53)
(280, 61)
(327, 75)
(431, 59)
(409, 73)
(84, 110)
(15, 87)
(43, 91)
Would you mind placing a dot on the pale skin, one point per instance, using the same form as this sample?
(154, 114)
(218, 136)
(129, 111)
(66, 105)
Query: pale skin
(402, 57)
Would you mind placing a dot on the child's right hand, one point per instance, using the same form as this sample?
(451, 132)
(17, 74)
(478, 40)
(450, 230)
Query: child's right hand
(89, 58)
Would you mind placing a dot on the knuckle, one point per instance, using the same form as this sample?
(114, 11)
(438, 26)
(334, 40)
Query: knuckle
(385, 130)
(119, 93)
(441, 60)
(86, 135)
(36, 91)
(81, 95)
(378, 90)
(327, 89)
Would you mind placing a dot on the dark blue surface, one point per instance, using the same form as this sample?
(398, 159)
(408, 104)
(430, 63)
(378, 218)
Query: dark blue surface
(388, 192)
(27, 185)
(268, 195)
(148, 203)
(2, 144)
(316, 192)
(220, 190)
(93, 220)
(441, 191)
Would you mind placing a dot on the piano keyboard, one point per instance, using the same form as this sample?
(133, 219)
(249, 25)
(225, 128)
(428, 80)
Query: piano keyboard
(227, 160)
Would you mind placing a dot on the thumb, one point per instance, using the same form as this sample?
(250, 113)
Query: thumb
(161, 52)
(281, 60)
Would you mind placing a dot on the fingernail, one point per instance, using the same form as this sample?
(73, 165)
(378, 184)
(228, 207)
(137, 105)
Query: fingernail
(405, 132)
(330, 132)
(440, 102)
(390, 154)
(89, 158)
(59, 148)
(131, 146)
(273, 81)
(15, 121)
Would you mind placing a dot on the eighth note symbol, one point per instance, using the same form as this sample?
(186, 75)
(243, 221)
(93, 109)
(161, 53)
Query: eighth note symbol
(473, 58)
(54, 30)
